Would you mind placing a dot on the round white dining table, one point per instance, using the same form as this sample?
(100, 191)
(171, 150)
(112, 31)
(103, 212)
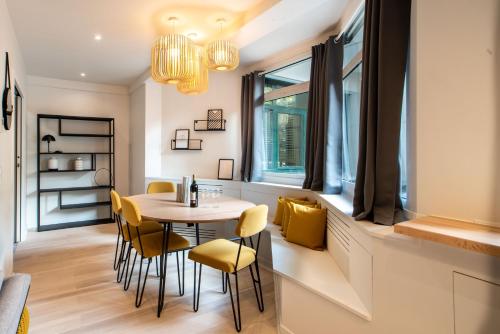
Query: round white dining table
(163, 208)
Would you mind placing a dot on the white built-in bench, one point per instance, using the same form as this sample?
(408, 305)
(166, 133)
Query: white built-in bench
(315, 271)
(340, 277)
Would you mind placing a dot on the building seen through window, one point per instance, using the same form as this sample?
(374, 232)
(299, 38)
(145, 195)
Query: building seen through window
(285, 118)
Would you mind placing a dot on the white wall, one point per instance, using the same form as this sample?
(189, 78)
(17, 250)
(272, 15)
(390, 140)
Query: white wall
(52, 96)
(153, 124)
(8, 43)
(179, 111)
(137, 139)
(455, 109)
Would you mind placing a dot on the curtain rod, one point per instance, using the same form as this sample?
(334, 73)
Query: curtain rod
(351, 20)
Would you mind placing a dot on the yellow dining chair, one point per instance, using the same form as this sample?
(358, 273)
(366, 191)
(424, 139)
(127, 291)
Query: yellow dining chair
(150, 245)
(231, 257)
(125, 236)
(161, 187)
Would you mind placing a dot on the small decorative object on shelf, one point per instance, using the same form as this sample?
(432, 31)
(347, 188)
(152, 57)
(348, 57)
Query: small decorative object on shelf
(193, 194)
(102, 177)
(7, 102)
(48, 139)
(214, 117)
(214, 121)
(53, 164)
(181, 139)
(226, 169)
(78, 163)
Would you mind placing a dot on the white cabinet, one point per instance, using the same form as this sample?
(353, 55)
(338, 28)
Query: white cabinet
(476, 305)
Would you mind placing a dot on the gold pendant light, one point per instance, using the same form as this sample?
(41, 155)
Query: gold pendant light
(222, 55)
(169, 57)
(198, 82)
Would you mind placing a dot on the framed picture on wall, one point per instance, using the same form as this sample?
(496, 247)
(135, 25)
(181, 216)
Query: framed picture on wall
(182, 139)
(214, 118)
(226, 168)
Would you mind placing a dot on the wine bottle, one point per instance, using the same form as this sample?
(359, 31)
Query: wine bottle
(193, 194)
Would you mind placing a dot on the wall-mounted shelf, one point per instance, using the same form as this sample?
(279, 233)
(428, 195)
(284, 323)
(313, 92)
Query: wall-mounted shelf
(209, 125)
(107, 126)
(471, 236)
(193, 145)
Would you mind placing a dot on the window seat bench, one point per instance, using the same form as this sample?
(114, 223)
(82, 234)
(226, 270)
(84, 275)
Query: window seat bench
(315, 271)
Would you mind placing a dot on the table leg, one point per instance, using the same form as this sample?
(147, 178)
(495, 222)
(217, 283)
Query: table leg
(163, 268)
(197, 227)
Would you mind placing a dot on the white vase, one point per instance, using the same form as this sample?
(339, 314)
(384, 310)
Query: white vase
(78, 164)
(53, 164)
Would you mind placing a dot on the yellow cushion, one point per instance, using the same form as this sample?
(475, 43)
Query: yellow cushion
(286, 212)
(278, 215)
(252, 221)
(152, 243)
(24, 323)
(221, 254)
(307, 226)
(146, 227)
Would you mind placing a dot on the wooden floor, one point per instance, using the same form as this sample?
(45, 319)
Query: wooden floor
(74, 290)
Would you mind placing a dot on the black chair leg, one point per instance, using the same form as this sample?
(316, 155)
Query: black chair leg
(237, 318)
(180, 281)
(257, 287)
(157, 270)
(224, 283)
(138, 298)
(121, 261)
(196, 294)
(116, 261)
(127, 281)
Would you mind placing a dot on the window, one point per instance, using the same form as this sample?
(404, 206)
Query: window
(352, 70)
(284, 123)
(350, 124)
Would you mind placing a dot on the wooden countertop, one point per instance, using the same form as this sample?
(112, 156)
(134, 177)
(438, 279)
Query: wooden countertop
(475, 237)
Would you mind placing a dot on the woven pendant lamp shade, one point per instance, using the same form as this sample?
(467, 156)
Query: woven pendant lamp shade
(198, 82)
(169, 59)
(222, 55)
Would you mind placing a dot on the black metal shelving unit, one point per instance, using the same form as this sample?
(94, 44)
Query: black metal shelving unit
(110, 136)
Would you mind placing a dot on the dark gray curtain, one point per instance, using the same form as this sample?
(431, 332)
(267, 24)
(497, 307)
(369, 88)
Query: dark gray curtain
(385, 48)
(252, 101)
(323, 164)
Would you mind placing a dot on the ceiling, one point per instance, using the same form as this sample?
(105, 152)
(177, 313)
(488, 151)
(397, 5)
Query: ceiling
(57, 36)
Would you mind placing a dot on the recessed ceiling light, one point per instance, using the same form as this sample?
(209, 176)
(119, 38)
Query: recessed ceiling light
(98, 37)
(83, 75)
